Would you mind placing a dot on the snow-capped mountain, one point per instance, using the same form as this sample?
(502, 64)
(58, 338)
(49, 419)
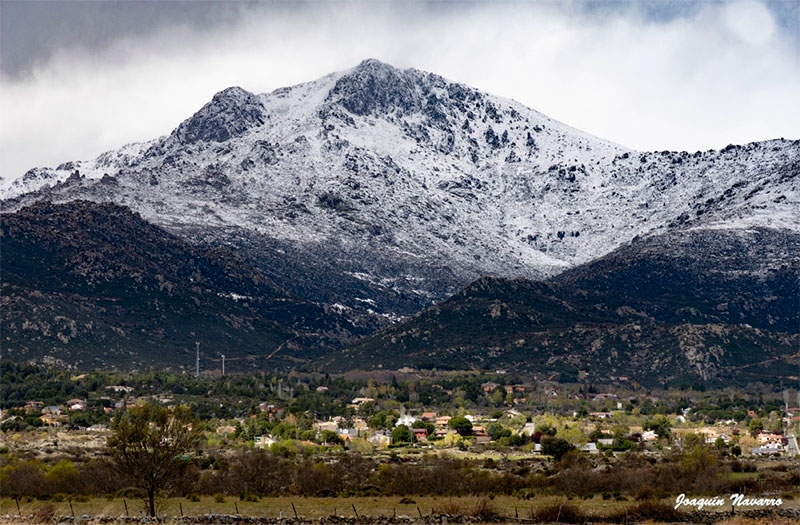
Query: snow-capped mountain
(386, 189)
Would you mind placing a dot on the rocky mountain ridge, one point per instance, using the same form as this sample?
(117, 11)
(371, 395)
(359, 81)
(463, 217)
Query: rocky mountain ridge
(384, 190)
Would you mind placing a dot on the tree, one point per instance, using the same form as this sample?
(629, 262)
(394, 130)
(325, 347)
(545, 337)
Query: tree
(402, 434)
(330, 437)
(755, 427)
(462, 425)
(660, 425)
(149, 447)
(556, 447)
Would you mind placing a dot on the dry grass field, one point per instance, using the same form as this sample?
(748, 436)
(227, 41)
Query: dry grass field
(500, 508)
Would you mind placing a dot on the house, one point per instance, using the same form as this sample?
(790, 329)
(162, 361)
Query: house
(480, 435)
(33, 406)
(361, 400)
(380, 439)
(421, 434)
(590, 448)
(347, 434)
(489, 386)
(712, 434)
(428, 416)
(769, 438)
(769, 449)
(648, 436)
(76, 404)
(331, 426)
(53, 420)
(442, 421)
(264, 441)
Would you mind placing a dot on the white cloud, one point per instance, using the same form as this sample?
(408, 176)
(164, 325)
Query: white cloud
(725, 74)
(750, 21)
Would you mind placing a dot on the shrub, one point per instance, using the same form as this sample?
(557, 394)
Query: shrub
(555, 513)
(450, 507)
(45, 514)
(485, 510)
(219, 498)
(651, 510)
(526, 493)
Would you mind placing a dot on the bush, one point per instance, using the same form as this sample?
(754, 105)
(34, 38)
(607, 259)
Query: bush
(555, 513)
(485, 510)
(526, 493)
(219, 498)
(651, 511)
(45, 514)
(450, 507)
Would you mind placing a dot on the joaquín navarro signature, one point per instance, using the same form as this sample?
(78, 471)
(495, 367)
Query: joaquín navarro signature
(737, 500)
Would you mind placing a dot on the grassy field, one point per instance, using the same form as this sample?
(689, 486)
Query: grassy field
(315, 508)
(306, 507)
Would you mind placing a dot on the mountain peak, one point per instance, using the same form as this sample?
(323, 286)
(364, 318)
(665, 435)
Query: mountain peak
(231, 113)
(376, 87)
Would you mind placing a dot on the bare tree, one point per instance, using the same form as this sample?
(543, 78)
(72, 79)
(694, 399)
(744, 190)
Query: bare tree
(150, 445)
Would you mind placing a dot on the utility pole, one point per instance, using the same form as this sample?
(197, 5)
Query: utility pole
(223, 365)
(197, 361)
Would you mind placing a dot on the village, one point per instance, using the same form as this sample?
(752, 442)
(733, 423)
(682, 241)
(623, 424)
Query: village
(496, 415)
(458, 443)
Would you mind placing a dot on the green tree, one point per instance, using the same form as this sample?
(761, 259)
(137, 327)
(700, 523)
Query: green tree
(756, 425)
(556, 447)
(660, 425)
(385, 419)
(430, 427)
(149, 445)
(402, 434)
(330, 437)
(462, 425)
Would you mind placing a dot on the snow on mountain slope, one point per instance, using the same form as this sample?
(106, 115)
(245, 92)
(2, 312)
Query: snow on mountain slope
(392, 188)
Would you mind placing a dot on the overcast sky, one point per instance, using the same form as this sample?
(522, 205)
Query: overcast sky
(78, 78)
